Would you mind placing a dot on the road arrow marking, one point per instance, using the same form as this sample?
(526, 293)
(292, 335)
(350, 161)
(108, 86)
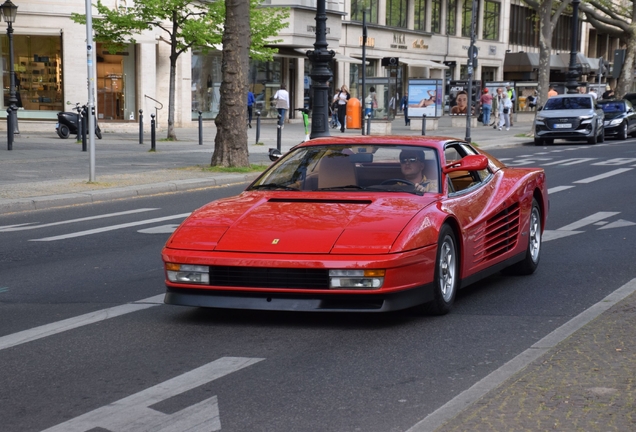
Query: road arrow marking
(618, 224)
(134, 413)
(603, 176)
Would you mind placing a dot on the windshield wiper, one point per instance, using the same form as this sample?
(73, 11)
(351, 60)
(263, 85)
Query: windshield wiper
(273, 186)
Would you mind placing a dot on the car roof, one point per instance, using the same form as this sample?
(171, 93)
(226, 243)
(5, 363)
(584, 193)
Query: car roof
(424, 141)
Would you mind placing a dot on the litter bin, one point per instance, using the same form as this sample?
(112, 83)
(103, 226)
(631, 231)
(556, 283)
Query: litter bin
(354, 110)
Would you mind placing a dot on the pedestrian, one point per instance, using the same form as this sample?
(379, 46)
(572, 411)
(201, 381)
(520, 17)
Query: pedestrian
(341, 98)
(552, 92)
(404, 106)
(505, 109)
(282, 103)
(513, 97)
(370, 103)
(496, 102)
(250, 107)
(486, 106)
(609, 93)
(593, 93)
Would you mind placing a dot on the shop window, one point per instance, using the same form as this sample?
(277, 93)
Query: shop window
(38, 72)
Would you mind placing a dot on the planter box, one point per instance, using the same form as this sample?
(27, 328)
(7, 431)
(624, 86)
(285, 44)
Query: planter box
(460, 121)
(432, 123)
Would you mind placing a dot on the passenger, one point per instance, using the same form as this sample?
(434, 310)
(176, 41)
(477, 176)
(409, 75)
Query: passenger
(412, 165)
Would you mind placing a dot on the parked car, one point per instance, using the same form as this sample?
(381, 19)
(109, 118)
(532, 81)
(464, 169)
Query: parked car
(620, 118)
(334, 225)
(569, 116)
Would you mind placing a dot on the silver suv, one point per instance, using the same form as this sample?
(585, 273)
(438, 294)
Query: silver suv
(571, 117)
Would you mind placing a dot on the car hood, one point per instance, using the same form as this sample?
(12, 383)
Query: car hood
(316, 223)
(565, 113)
(614, 115)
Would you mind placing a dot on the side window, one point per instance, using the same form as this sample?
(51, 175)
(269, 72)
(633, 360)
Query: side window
(461, 180)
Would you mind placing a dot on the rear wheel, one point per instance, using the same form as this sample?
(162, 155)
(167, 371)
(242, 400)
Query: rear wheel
(446, 280)
(63, 131)
(531, 261)
(538, 142)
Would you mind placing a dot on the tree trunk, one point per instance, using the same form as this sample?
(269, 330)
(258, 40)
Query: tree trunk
(172, 136)
(545, 48)
(624, 83)
(230, 143)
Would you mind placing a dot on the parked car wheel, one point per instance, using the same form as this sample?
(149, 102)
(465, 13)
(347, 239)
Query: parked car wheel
(538, 142)
(622, 134)
(601, 137)
(593, 139)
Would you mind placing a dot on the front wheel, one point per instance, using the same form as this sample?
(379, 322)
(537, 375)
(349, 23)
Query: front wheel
(98, 132)
(538, 142)
(446, 280)
(623, 132)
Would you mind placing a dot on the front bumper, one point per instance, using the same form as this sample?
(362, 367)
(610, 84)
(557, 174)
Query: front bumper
(564, 128)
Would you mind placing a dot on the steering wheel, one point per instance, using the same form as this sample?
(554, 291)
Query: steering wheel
(396, 181)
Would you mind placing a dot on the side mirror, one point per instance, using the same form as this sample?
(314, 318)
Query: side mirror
(274, 154)
(467, 163)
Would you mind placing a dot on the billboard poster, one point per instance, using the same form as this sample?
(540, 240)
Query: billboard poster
(458, 96)
(425, 97)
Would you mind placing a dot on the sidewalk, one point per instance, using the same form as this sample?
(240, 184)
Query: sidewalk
(585, 382)
(44, 171)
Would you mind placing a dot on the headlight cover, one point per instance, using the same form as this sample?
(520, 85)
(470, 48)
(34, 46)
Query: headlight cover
(189, 274)
(356, 279)
(615, 122)
(586, 119)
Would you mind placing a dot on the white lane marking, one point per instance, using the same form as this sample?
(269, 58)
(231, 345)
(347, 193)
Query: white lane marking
(471, 395)
(603, 176)
(162, 229)
(618, 224)
(112, 228)
(6, 227)
(567, 162)
(570, 229)
(135, 413)
(107, 215)
(616, 161)
(558, 189)
(589, 220)
(78, 321)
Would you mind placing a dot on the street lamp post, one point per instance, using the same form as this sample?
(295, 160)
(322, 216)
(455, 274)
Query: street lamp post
(574, 71)
(9, 12)
(320, 74)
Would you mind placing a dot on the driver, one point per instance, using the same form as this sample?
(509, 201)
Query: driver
(412, 166)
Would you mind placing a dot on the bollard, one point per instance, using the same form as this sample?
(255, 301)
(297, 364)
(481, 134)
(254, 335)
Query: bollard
(152, 133)
(258, 126)
(368, 124)
(200, 128)
(9, 130)
(84, 127)
(278, 133)
(141, 126)
(80, 124)
(423, 124)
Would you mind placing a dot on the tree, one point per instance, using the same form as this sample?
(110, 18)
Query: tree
(239, 34)
(618, 20)
(549, 12)
(185, 24)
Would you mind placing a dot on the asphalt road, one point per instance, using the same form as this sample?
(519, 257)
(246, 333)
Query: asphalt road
(129, 358)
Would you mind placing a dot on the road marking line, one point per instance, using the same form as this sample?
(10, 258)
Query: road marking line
(75, 322)
(112, 228)
(471, 395)
(558, 189)
(135, 413)
(603, 176)
(6, 227)
(568, 162)
(587, 221)
(161, 229)
(30, 227)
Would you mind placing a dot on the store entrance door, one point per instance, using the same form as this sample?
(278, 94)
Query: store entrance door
(115, 81)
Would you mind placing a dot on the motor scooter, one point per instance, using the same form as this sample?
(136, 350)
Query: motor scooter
(68, 122)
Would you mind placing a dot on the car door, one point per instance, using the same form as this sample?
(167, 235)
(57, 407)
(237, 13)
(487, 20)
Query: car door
(475, 200)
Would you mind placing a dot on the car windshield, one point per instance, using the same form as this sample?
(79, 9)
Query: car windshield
(354, 167)
(613, 107)
(568, 103)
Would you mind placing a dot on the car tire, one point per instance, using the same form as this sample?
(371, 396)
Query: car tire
(63, 131)
(446, 282)
(530, 262)
(593, 139)
(622, 135)
(601, 137)
(538, 142)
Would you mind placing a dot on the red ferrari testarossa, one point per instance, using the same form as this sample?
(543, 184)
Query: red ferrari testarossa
(363, 224)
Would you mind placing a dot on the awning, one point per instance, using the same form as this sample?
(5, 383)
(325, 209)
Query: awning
(422, 63)
(528, 62)
(338, 57)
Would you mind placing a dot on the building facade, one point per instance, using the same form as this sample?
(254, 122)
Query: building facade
(430, 38)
